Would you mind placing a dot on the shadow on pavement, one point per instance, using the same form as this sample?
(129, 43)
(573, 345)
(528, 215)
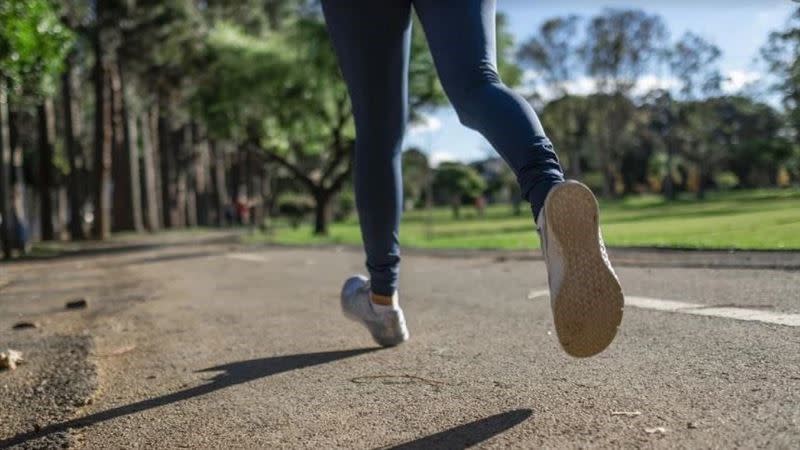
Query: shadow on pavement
(104, 248)
(469, 434)
(232, 374)
(168, 258)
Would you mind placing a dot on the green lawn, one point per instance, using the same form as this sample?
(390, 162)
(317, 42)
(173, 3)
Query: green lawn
(758, 219)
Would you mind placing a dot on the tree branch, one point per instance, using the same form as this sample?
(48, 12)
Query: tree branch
(340, 179)
(280, 160)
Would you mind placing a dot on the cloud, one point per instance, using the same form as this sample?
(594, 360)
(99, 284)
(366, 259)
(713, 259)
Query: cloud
(425, 124)
(437, 157)
(735, 80)
(648, 83)
(585, 85)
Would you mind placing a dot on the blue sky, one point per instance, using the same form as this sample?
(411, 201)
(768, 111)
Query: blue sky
(737, 27)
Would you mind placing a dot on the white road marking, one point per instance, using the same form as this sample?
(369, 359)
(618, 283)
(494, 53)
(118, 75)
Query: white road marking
(250, 257)
(727, 312)
(698, 309)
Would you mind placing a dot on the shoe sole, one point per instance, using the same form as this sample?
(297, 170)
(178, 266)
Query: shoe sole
(588, 307)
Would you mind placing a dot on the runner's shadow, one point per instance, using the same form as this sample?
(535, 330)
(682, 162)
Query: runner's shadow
(232, 374)
(469, 434)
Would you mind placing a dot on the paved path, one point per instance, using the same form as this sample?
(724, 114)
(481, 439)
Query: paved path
(226, 346)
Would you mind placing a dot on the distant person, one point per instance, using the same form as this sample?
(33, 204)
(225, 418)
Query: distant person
(243, 209)
(372, 40)
(480, 205)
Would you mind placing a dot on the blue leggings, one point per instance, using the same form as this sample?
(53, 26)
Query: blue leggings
(372, 41)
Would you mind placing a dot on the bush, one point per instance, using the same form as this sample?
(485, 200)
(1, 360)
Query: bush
(594, 180)
(726, 181)
(345, 205)
(295, 207)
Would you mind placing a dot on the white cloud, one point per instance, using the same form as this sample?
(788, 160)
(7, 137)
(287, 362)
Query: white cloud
(425, 124)
(585, 85)
(648, 83)
(437, 157)
(735, 80)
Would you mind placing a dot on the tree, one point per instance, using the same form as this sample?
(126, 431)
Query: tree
(567, 121)
(163, 44)
(782, 55)
(416, 175)
(457, 182)
(551, 53)
(33, 44)
(282, 97)
(662, 112)
(620, 45)
(693, 60)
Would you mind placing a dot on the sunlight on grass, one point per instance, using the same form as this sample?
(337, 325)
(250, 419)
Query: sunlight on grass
(757, 219)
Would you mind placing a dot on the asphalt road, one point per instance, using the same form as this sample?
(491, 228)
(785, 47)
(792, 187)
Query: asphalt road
(218, 346)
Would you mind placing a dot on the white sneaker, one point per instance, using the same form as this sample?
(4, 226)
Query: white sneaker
(386, 323)
(585, 293)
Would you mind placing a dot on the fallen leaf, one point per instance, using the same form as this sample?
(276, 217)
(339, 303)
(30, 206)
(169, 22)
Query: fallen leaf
(23, 325)
(78, 303)
(10, 358)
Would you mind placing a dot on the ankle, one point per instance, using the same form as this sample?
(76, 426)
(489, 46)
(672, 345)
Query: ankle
(383, 300)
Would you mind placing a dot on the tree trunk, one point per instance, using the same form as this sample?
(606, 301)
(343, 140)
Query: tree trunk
(257, 200)
(102, 142)
(46, 142)
(193, 174)
(322, 208)
(62, 212)
(702, 182)
(575, 163)
(5, 172)
(74, 154)
(183, 142)
(169, 188)
(220, 183)
(152, 214)
(455, 203)
(19, 226)
(610, 183)
(200, 175)
(136, 179)
(669, 183)
(127, 208)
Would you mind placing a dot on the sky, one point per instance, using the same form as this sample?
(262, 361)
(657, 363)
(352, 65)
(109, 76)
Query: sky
(738, 27)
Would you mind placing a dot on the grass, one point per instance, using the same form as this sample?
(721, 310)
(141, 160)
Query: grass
(754, 219)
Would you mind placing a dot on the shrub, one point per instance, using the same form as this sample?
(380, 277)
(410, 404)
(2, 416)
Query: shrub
(345, 205)
(726, 181)
(295, 207)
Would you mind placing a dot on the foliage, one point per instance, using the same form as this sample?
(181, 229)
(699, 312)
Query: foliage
(415, 174)
(458, 182)
(33, 44)
(743, 219)
(552, 52)
(345, 205)
(693, 60)
(620, 45)
(782, 55)
(295, 207)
